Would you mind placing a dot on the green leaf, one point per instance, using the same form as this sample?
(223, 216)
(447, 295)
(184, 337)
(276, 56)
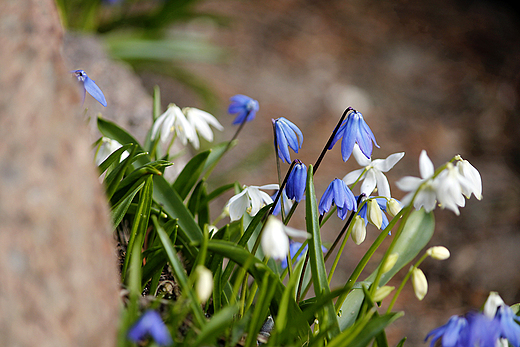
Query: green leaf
(158, 259)
(317, 262)
(260, 312)
(216, 326)
(401, 343)
(190, 174)
(113, 158)
(113, 179)
(216, 193)
(121, 207)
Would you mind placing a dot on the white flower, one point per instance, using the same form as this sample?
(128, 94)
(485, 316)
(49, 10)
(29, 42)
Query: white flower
(493, 302)
(449, 187)
(174, 120)
(469, 172)
(438, 252)
(426, 196)
(420, 284)
(393, 207)
(359, 230)
(250, 198)
(200, 121)
(275, 238)
(374, 214)
(107, 147)
(204, 283)
(373, 176)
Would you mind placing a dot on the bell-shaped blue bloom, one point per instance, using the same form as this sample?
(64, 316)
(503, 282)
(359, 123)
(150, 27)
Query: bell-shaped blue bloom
(450, 332)
(90, 86)
(287, 135)
(244, 107)
(293, 249)
(509, 328)
(338, 193)
(296, 182)
(287, 203)
(150, 324)
(381, 202)
(354, 130)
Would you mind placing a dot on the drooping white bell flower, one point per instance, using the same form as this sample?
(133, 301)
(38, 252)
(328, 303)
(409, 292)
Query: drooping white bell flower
(250, 199)
(173, 120)
(373, 176)
(449, 187)
(200, 121)
(469, 172)
(107, 147)
(275, 238)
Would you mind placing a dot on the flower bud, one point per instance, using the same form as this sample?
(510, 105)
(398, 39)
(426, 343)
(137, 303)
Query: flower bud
(390, 262)
(492, 303)
(359, 230)
(374, 214)
(204, 283)
(420, 284)
(382, 293)
(438, 252)
(393, 207)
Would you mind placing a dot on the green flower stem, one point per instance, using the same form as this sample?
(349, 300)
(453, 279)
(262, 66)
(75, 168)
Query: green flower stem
(293, 259)
(405, 279)
(171, 144)
(300, 283)
(340, 251)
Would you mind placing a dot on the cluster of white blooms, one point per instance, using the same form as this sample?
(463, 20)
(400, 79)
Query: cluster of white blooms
(186, 123)
(448, 188)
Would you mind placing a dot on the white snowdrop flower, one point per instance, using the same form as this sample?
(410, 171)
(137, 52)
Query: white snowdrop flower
(107, 147)
(251, 199)
(200, 121)
(420, 283)
(438, 252)
(449, 189)
(493, 302)
(393, 207)
(359, 230)
(204, 283)
(373, 176)
(275, 238)
(470, 173)
(426, 197)
(174, 120)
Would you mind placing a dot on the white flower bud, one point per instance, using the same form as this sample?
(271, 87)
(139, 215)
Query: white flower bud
(420, 284)
(374, 214)
(492, 303)
(393, 207)
(204, 283)
(382, 293)
(390, 262)
(359, 230)
(438, 252)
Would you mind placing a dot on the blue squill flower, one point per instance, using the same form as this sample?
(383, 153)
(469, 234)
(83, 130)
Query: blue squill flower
(287, 203)
(450, 332)
(244, 107)
(287, 135)
(90, 86)
(509, 328)
(293, 249)
(297, 181)
(338, 193)
(150, 324)
(354, 130)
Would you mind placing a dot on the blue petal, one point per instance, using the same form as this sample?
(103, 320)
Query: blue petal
(326, 199)
(283, 151)
(349, 138)
(94, 90)
(296, 182)
(150, 323)
(339, 134)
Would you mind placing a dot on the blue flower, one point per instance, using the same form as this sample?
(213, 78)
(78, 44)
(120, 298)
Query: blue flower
(151, 324)
(293, 249)
(90, 86)
(354, 130)
(338, 193)
(450, 332)
(287, 203)
(287, 135)
(244, 107)
(509, 328)
(381, 202)
(297, 181)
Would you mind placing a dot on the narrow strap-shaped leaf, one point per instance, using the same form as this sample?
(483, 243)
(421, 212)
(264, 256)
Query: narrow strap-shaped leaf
(190, 174)
(317, 262)
(216, 193)
(113, 179)
(121, 207)
(216, 326)
(113, 158)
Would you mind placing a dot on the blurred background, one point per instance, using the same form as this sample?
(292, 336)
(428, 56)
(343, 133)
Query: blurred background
(440, 76)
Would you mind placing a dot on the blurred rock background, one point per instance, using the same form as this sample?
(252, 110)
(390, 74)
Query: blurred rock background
(441, 76)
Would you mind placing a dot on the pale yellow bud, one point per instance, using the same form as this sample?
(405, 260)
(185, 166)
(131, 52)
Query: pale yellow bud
(438, 252)
(393, 207)
(390, 262)
(204, 283)
(359, 230)
(382, 293)
(374, 214)
(420, 284)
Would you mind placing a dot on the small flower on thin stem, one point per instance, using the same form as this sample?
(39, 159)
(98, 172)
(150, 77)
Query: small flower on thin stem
(150, 324)
(243, 106)
(359, 230)
(354, 130)
(90, 86)
(297, 181)
(438, 252)
(204, 283)
(420, 283)
(250, 199)
(275, 238)
(107, 147)
(373, 175)
(174, 120)
(393, 207)
(449, 332)
(200, 121)
(287, 135)
(338, 193)
(377, 203)
(469, 172)
(449, 189)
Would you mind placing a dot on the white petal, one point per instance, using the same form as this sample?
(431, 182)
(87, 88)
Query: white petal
(369, 183)
(273, 186)
(258, 199)
(292, 232)
(353, 176)
(237, 205)
(408, 183)
(275, 242)
(383, 187)
(359, 230)
(492, 303)
(360, 157)
(427, 198)
(157, 124)
(388, 163)
(426, 167)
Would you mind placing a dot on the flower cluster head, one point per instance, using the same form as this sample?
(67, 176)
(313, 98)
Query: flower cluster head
(448, 188)
(150, 324)
(186, 123)
(251, 199)
(353, 130)
(287, 135)
(496, 325)
(244, 107)
(275, 238)
(339, 194)
(90, 86)
(296, 182)
(372, 172)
